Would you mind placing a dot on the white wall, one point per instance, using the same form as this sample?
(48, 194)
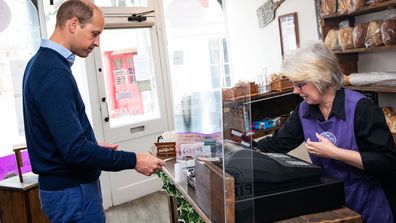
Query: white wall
(253, 48)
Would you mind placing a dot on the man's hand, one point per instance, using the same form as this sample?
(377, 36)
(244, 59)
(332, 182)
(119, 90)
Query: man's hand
(108, 145)
(148, 164)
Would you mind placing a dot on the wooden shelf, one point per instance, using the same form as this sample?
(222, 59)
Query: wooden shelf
(260, 133)
(258, 97)
(366, 50)
(364, 10)
(385, 89)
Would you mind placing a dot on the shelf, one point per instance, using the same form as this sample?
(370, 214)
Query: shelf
(366, 50)
(260, 132)
(269, 95)
(364, 10)
(385, 89)
(258, 97)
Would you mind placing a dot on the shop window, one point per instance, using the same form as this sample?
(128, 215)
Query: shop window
(20, 39)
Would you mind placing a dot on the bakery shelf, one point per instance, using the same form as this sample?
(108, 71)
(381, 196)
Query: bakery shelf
(270, 95)
(385, 89)
(366, 9)
(367, 50)
(247, 99)
(260, 133)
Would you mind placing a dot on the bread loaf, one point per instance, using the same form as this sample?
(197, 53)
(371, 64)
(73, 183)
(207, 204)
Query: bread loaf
(331, 40)
(343, 6)
(328, 7)
(392, 123)
(370, 2)
(388, 32)
(346, 80)
(345, 38)
(359, 33)
(388, 111)
(355, 5)
(373, 37)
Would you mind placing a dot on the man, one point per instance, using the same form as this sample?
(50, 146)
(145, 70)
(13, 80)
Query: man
(61, 144)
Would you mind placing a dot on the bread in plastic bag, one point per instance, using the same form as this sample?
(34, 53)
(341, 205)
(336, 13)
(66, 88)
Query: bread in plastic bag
(371, 78)
(388, 32)
(373, 37)
(354, 5)
(343, 6)
(331, 40)
(345, 38)
(328, 7)
(370, 2)
(359, 33)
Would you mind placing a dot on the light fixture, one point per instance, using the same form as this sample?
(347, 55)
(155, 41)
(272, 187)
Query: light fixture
(5, 15)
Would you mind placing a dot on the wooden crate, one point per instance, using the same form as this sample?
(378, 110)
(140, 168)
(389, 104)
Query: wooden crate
(240, 91)
(281, 85)
(212, 187)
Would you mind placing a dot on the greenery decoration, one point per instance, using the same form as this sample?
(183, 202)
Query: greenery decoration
(187, 213)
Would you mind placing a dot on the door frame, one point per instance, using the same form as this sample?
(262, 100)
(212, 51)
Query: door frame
(94, 95)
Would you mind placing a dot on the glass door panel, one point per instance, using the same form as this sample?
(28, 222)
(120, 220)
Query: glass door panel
(130, 83)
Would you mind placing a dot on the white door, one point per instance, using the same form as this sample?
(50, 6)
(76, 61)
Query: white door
(131, 94)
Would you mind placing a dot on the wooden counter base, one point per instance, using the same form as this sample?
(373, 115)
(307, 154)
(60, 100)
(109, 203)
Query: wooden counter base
(344, 215)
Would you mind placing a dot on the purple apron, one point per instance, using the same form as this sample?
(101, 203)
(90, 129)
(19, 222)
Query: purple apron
(363, 193)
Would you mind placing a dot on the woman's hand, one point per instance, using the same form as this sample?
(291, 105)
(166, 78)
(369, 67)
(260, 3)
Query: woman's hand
(322, 148)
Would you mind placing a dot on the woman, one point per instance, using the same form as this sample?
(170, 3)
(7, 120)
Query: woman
(344, 132)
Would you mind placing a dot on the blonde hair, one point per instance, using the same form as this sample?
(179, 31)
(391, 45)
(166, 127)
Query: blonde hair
(313, 63)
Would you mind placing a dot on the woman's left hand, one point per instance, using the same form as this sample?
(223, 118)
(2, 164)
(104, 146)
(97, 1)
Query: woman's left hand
(322, 148)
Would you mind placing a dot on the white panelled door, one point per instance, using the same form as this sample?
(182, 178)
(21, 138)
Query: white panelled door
(130, 85)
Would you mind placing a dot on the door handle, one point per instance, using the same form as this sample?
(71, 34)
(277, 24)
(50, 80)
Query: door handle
(106, 119)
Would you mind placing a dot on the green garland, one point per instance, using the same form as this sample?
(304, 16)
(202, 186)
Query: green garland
(187, 213)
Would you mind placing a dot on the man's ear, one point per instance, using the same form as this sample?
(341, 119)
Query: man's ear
(72, 24)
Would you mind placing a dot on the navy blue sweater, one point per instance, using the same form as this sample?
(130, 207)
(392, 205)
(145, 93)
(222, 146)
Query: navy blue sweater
(62, 147)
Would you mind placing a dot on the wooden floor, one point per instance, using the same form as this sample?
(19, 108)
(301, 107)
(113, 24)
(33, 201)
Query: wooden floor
(152, 208)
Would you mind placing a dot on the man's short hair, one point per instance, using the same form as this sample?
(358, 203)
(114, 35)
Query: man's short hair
(82, 10)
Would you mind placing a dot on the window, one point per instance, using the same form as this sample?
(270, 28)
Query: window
(198, 62)
(219, 65)
(20, 39)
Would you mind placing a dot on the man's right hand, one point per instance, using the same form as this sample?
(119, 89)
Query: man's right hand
(148, 164)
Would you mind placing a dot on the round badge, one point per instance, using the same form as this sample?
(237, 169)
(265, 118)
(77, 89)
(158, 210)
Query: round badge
(330, 136)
